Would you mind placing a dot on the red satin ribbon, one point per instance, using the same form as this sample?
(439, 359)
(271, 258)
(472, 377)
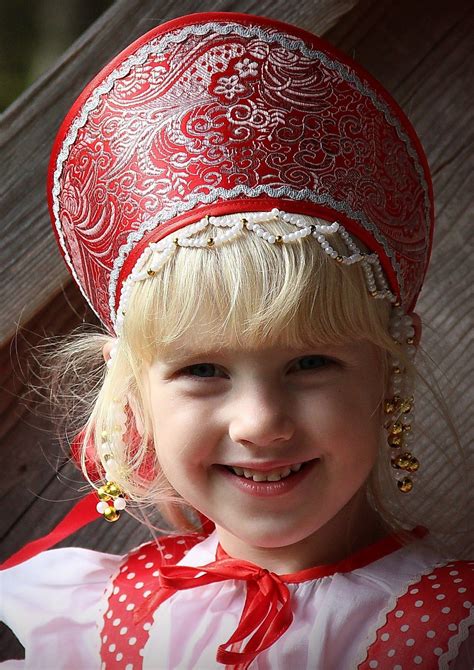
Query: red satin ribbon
(83, 512)
(266, 614)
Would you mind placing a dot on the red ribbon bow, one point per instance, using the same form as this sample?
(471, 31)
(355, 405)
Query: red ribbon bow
(267, 611)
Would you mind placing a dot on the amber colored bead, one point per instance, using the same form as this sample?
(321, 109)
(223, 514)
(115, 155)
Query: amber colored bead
(103, 493)
(397, 428)
(406, 405)
(403, 461)
(111, 514)
(413, 465)
(395, 441)
(389, 407)
(405, 485)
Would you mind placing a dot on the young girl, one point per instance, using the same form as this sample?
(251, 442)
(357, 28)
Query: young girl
(250, 215)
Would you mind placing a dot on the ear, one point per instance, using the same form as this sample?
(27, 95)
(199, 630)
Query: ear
(107, 348)
(417, 325)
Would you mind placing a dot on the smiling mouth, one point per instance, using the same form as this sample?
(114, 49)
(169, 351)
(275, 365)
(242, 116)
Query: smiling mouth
(274, 475)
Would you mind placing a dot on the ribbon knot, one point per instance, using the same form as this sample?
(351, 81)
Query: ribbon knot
(266, 614)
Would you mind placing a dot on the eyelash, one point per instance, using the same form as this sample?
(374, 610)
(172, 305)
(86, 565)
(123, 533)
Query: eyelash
(187, 371)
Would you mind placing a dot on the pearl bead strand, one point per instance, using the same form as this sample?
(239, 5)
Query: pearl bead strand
(157, 254)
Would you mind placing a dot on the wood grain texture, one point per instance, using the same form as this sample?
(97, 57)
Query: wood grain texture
(421, 51)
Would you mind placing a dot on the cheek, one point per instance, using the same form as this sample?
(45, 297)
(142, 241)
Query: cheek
(181, 434)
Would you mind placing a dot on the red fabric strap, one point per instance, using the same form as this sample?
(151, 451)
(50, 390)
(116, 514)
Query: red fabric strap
(80, 515)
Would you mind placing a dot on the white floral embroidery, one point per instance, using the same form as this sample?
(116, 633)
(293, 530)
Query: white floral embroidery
(229, 86)
(246, 68)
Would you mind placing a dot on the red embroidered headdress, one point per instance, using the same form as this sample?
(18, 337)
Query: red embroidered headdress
(221, 113)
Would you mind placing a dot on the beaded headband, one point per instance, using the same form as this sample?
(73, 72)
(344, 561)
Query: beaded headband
(218, 113)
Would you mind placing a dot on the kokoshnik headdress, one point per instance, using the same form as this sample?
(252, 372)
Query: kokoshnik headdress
(218, 113)
(215, 114)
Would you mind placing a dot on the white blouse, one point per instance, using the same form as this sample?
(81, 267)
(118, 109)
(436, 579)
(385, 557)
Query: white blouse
(55, 604)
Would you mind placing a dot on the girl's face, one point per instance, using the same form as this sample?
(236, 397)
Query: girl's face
(270, 444)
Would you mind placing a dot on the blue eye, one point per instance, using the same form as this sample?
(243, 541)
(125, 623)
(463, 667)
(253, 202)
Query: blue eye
(202, 370)
(312, 362)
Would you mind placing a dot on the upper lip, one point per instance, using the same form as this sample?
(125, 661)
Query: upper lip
(265, 466)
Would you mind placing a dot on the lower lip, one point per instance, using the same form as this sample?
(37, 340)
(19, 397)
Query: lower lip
(268, 489)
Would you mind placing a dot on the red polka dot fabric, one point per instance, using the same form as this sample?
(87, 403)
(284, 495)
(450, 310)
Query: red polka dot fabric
(127, 621)
(416, 633)
(418, 629)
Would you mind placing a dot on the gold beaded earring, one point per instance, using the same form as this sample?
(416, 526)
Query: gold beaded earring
(111, 496)
(399, 408)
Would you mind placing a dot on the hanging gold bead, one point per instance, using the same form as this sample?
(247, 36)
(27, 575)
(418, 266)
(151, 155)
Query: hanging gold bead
(112, 489)
(339, 259)
(103, 493)
(210, 242)
(395, 441)
(396, 370)
(405, 485)
(151, 273)
(278, 239)
(406, 406)
(397, 428)
(414, 465)
(176, 242)
(111, 514)
(389, 406)
(402, 462)
(410, 340)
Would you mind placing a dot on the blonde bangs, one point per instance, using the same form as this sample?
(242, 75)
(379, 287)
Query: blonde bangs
(251, 294)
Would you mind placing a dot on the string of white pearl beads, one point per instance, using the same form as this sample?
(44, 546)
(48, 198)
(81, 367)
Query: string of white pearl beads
(275, 239)
(111, 500)
(216, 240)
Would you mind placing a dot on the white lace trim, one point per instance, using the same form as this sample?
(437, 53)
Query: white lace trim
(382, 618)
(455, 641)
(157, 46)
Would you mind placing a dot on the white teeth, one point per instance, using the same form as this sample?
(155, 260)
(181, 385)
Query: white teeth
(259, 478)
(272, 476)
(275, 477)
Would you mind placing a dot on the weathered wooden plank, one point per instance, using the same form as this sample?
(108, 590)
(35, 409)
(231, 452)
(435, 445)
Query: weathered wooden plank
(28, 254)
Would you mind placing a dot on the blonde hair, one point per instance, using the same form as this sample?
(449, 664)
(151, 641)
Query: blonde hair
(249, 294)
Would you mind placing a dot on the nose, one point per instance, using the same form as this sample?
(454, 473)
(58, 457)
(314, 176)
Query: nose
(261, 418)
